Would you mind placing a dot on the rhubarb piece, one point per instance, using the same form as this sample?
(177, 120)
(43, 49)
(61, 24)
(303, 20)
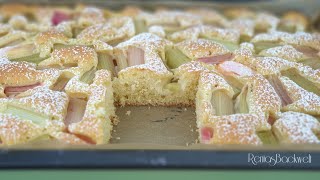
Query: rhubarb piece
(267, 137)
(280, 90)
(11, 39)
(86, 139)
(35, 58)
(259, 46)
(26, 114)
(229, 45)
(232, 72)
(301, 81)
(175, 58)
(105, 61)
(234, 68)
(216, 59)
(76, 110)
(15, 90)
(88, 76)
(241, 102)
(76, 31)
(312, 59)
(59, 17)
(121, 61)
(140, 26)
(314, 63)
(235, 84)
(20, 51)
(60, 84)
(308, 51)
(222, 103)
(135, 56)
(206, 134)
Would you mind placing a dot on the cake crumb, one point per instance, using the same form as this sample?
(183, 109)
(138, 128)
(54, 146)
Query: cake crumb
(128, 113)
(185, 109)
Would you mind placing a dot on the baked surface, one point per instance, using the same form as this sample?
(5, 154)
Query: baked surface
(254, 77)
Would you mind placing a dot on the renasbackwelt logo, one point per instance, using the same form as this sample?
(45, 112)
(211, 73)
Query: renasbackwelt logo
(275, 159)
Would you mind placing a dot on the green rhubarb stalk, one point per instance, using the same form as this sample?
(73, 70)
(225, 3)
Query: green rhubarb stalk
(105, 61)
(26, 114)
(229, 45)
(8, 39)
(175, 58)
(259, 46)
(314, 63)
(267, 137)
(140, 26)
(88, 76)
(35, 58)
(301, 81)
(60, 84)
(222, 103)
(241, 102)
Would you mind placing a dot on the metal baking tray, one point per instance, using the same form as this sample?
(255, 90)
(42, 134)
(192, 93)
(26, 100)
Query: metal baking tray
(164, 137)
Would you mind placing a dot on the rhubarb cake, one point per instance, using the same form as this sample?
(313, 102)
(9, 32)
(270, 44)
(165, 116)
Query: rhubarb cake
(253, 76)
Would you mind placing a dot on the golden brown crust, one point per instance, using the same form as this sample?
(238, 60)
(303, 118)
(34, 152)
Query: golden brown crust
(236, 129)
(296, 128)
(82, 57)
(51, 36)
(208, 32)
(15, 74)
(195, 49)
(115, 29)
(298, 38)
(14, 130)
(44, 41)
(286, 52)
(262, 98)
(303, 101)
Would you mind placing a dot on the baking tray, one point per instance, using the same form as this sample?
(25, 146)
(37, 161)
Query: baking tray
(163, 137)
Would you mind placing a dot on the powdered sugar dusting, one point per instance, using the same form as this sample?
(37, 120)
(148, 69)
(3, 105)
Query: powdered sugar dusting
(238, 129)
(304, 101)
(45, 101)
(199, 48)
(295, 127)
(287, 52)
